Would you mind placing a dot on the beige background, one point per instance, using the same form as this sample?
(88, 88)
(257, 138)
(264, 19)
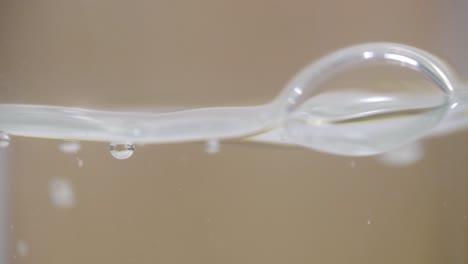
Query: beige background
(248, 204)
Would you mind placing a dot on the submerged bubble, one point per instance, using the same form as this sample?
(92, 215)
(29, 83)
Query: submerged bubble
(22, 248)
(80, 162)
(4, 140)
(121, 150)
(212, 146)
(70, 147)
(61, 193)
(404, 156)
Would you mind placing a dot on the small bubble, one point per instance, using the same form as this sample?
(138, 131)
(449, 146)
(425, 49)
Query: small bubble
(403, 156)
(22, 248)
(70, 147)
(61, 193)
(212, 146)
(122, 150)
(80, 162)
(4, 140)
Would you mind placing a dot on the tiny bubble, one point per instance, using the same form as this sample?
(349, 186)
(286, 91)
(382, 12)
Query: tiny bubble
(80, 162)
(22, 248)
(212, 146)
(70, 147)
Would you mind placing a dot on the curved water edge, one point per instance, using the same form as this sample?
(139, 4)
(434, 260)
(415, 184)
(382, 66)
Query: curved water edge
(365, 124)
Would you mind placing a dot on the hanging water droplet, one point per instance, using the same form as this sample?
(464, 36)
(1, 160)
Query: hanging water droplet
(4, 140)
(122, 150)
(212, 146)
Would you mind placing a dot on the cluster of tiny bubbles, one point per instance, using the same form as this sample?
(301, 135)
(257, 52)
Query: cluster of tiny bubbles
(121, 150)
(4, 140)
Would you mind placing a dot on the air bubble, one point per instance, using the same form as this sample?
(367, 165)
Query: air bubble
(61, 193)
(70, 147)
(22, 248)
(121, 150)
(377, 112)
(403, 156)
(4, 140)
(212, 146)
(80, 162)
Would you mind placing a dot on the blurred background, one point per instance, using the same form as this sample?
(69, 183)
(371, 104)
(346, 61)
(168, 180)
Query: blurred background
(248, 203)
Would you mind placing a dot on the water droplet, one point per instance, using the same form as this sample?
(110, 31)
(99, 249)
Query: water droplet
(70, 147)
(61, 193)
(212, 146)
(122, 150)
(4, 140)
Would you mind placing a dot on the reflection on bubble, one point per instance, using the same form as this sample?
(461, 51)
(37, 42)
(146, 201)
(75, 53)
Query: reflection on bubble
(121, 150)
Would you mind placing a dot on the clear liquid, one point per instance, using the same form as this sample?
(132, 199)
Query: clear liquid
(363, 125)
(343, 123)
